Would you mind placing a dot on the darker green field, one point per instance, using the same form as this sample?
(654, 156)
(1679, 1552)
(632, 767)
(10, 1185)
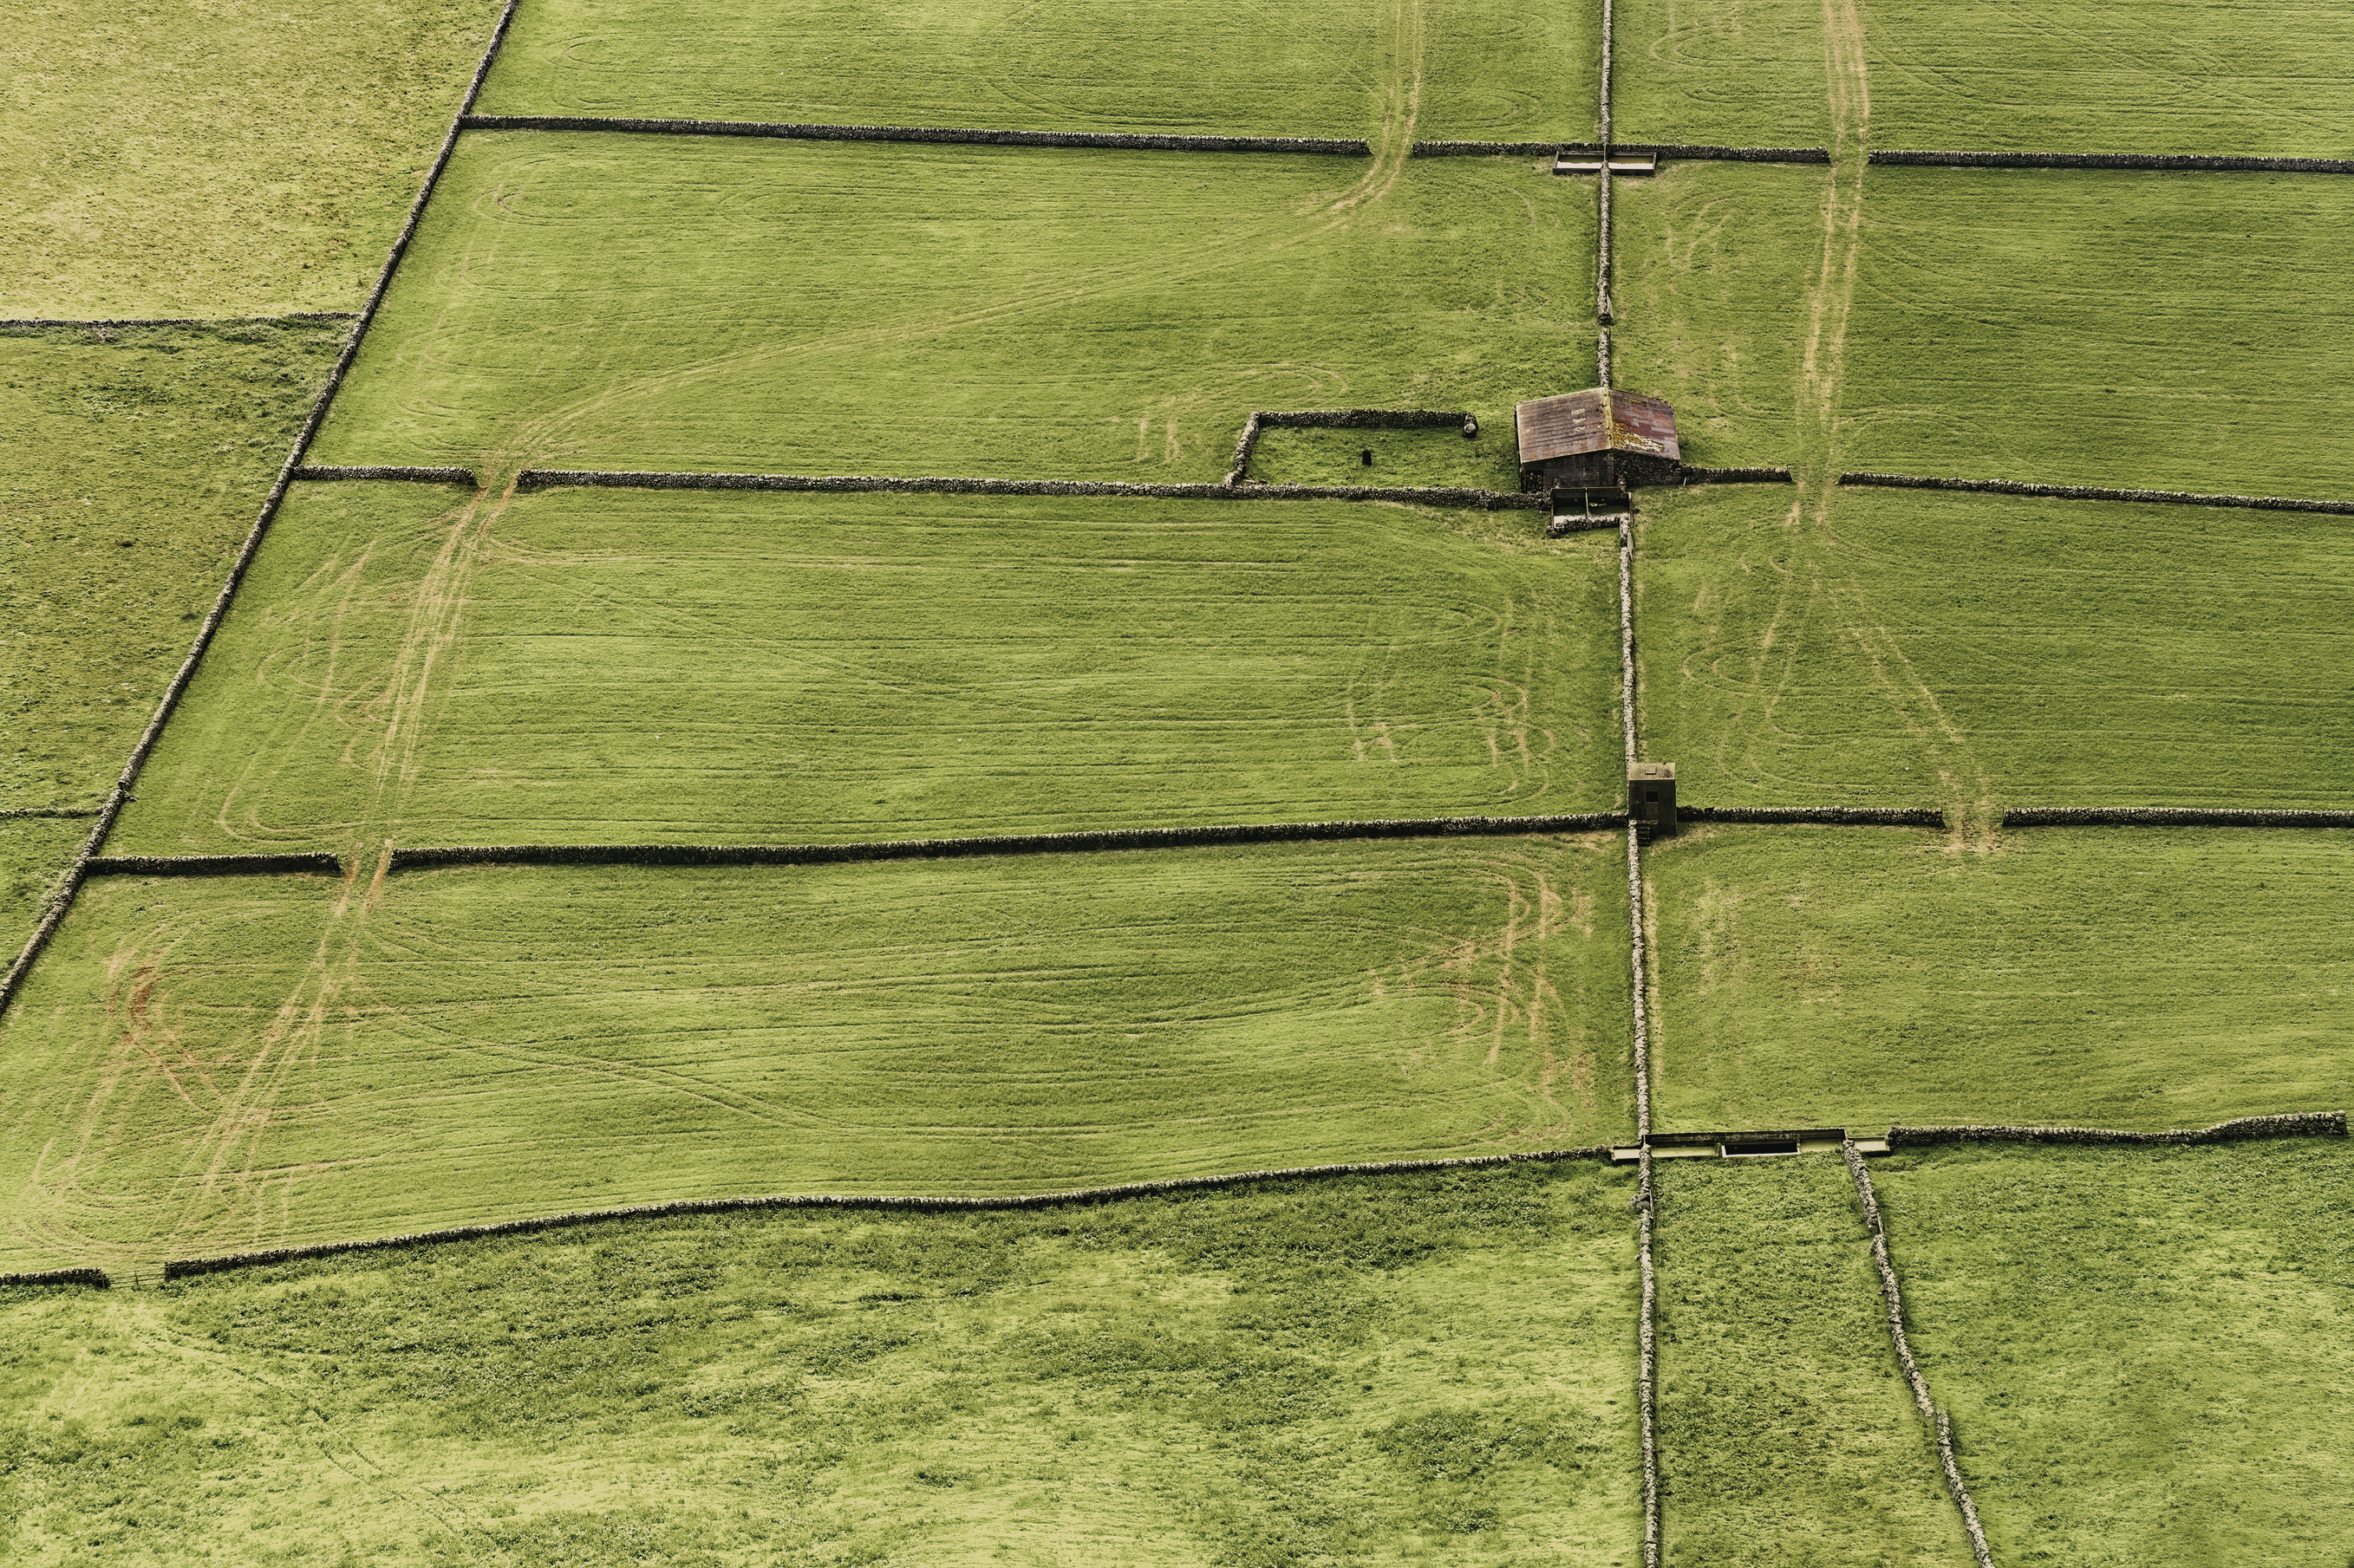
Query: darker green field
(1014, 311)
(1980, 651)
(2146, 1351)
(594, 666)
(34, 853)
(1787, 1433)
(2125, 978)
(204, 1064)
(1425, 1370)
(1450, 67)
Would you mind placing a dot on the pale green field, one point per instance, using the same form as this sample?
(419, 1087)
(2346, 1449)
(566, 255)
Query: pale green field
(1481, 68)
(1429, 1370)
(2127, 978)
(2148, 1354)
(201, 1065)
(595, 667)
(2109, 75)
(1978, 651)
(1787, 1433)
(221, 158)
(1738, 72)
(680, 302)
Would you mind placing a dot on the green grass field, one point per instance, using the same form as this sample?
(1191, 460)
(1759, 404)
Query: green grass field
(2127, 978)
(2103, 76)
(33, 853)
(1978, 651)
(1787, 1434)
(1450, 68)
(1739, 72)
(227, 158)
(680, 302)
(596, 666)
(1431, 1370)
(2148, 1352)
(206, 1064)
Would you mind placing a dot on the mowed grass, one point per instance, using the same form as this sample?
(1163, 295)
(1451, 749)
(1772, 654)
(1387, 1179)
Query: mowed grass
(1453, 68)
(682, 303)
(138, 461)
(1742, 73)
(226, 158)
(2129, 977)
(203, 1064)
(596, 666)
(34, 855)
(1434, 1369)
(2103, 76)
(1787, 1433)
(1982, 651)
(2146, 1351)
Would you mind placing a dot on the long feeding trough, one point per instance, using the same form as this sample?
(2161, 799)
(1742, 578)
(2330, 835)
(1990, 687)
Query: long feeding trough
(1592, 445)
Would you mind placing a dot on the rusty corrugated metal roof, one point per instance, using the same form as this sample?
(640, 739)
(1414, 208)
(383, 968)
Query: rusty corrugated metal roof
(1595, 422)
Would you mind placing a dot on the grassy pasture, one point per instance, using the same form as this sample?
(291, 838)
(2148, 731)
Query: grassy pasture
(2146, 1352)
(1450, 68)
(1489, 461)
(599, 666)
(205, 1064)
(138, 459)
(1428, 1369)
(33, 853)
(2128, 977)
(2103, 76)
(1980, 651)
(1787, 1434)
(218, 157)
(1736, 73)
(680, 302)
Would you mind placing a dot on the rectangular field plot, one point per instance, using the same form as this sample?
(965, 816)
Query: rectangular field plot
(1787, 1433)
(1739, 72)
(1978, 651)
(680, 302)
(1454, 67)
(210, 1064)
(598, 666)
(2128, 977)
(2152, 331)
(2108, 76)
(2148, 1353)
(1402, 1369)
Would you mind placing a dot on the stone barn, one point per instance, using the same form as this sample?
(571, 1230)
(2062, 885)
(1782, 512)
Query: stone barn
(1598, 441)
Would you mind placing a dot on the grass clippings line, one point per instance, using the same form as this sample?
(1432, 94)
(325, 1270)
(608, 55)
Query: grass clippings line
(42, 324)
(2097, 492)
(62, 901)
(2186, 161)
(2173, 817)
(2289, 1124)
(97, 1278)
(1634, 149)
(1939, 1425)
(318, 861)
(186, 1268)
(1080, 842)
(465, 476)
(857, 483)
(1132, 141)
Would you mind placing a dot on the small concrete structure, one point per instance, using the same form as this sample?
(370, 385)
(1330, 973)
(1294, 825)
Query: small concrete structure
(1623, 164)
(1651, 798)
(1598, 441)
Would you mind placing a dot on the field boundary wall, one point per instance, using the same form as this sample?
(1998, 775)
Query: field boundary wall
(1836, 816)
(1737, 476)
(1638, 149)
(321, 862)
(2182, 161)
(2292, 1124)
(2172, 817)
(1339, 419)
(8, 812)
(464, 476)
(2095, 492)
(844, 485)
(1939, 1425)
(62, 902)
(95, 1278)
(187, 1267)
(41, 324)
(781, 131)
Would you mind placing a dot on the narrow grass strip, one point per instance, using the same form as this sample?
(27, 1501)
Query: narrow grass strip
(464, 476)
(1934, 1417)
(2095, 492)
(1829, 816)
(38, 324)
(55, 913)
(322, 864)
(1132, 141)
(2172, 817)
(858, 483)
(95, 1278)
(2182, 161)
(1084, 841)
(1638, 149)
(2290, 1124)
(184, 1268)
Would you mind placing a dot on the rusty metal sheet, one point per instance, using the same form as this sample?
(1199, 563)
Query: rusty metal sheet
(1640, 424)
(1574, 423)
